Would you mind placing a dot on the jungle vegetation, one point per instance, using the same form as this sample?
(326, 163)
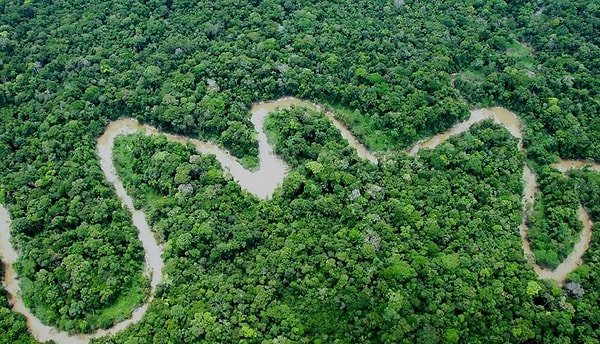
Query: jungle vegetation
(422, 249)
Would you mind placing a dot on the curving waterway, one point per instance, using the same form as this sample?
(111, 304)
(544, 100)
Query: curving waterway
(511, 122)
(263, 182)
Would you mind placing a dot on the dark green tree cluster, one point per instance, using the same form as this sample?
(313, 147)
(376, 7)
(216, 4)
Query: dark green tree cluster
(554, 225)
(78, 249)
(301, 135)
(588, 275)
(549, 74)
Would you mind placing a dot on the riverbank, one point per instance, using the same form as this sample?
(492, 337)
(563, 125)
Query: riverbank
(262, 182)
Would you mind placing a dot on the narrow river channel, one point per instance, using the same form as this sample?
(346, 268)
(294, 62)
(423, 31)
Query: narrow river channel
(263, 182)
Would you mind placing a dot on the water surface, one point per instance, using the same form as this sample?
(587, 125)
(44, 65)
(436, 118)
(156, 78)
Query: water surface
(263, 182)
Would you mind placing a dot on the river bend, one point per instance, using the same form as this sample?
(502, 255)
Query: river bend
(263, 182)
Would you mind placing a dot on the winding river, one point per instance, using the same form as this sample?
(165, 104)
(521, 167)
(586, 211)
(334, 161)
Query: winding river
(511, 122)
(262, 183)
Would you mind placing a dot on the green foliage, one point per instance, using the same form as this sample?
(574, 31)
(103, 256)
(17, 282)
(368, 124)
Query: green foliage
(413, 250)
(13, 327)
(533, 288)
(554, 226)
(309, 136)
(321, 261)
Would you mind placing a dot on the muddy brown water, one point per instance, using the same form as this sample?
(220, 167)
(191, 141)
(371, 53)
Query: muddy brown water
(511, 122)
(263, 182)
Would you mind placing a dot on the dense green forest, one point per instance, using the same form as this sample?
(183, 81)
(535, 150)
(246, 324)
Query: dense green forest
(422, 249)
(554, 226)
(327, 246)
